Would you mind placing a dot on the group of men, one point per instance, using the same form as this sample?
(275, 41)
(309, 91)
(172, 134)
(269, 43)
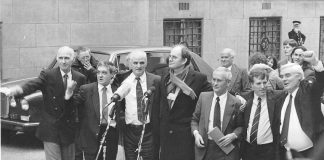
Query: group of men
(173, 116)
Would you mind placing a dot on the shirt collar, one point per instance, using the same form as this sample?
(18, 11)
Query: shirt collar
(256, 97)
(100, 86)
(142, 77)
(230, 67)
(221, 97)
(294, 92)
(63, 73)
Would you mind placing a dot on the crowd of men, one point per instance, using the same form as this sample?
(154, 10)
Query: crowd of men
(180, 115)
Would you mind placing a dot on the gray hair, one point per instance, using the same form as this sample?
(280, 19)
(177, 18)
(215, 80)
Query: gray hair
(230, 51)
(295, 67)
(67, 50)
(227, 72)
(136, 53)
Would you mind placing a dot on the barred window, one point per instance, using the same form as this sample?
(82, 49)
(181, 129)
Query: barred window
(183, 30)
(321, 41)
(264, 35)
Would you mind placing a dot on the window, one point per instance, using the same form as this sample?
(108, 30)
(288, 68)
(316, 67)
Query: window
(321, 42)
(264, 35)
(183, 30)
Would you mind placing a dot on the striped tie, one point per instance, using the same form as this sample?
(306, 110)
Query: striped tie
(254, 130)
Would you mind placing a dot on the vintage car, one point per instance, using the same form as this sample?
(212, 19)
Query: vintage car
(22, 113)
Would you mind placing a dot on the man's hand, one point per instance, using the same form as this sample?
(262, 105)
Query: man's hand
(199, 140)
(226, 140)
(86, 65)
(12, 91)
(243, 101)
(309, 56)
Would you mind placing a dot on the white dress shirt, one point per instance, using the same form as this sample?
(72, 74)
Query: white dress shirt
(131, 115)
(264, 135)
(297, 138)
(69, 75)
(222, 103)
(109, 95)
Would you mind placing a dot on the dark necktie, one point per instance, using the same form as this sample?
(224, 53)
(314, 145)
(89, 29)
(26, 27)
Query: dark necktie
(217, 115)
(65, 77)
(139, 96)
(285, 127)
(104, 103)
(255, 124)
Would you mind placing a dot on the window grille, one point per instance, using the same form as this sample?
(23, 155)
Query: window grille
(264, 35)
(183, 30)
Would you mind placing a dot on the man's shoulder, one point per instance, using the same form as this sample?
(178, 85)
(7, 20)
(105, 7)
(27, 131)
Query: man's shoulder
(203, 94)
(238, 68)
(153, 76)
(197, 74)
(233, 98)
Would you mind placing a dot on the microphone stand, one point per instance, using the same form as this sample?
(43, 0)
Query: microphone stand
(103, 137)
(139, 148)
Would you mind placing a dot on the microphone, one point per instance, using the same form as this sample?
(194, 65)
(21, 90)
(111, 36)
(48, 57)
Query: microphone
(146, 96)
(119, 94)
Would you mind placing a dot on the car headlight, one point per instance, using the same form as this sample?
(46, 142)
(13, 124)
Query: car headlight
(13, 102)
(24, 104)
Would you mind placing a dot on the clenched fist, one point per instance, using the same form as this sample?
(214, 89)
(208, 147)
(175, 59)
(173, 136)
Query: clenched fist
(309, 56)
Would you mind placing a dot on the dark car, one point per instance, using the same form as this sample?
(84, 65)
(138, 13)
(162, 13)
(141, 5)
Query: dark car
(22, 113)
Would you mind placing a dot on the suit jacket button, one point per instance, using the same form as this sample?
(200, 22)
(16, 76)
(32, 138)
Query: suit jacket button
(96, 134)
(55, 108)
(170, 131)
(54, 97)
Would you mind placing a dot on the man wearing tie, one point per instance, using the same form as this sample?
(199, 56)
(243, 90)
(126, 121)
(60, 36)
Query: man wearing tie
(217, 109)
(134, 117)
(239, 82)
(92, 101)
(301, 117)
(261, 124)
(58, 124)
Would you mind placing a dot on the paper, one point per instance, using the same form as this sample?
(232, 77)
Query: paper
(217, 134)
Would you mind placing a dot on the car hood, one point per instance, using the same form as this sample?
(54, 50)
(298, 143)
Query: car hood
(16, 82)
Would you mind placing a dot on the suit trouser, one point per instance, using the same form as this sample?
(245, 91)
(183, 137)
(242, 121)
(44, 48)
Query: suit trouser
(54, 151)
(257, 152)
(132, 138)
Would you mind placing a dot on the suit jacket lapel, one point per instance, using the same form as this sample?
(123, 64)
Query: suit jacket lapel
(234, 71)
(297, 105)
(189, 79)
(270, 105)
(95, 100)
(59, 79)
(149, 84)
(208, 104)
(248, 107)
(228, 112)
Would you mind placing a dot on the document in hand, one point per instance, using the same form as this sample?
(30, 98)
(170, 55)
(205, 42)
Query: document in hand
(217, 134)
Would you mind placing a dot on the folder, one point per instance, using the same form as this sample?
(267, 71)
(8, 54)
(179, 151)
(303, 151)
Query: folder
(217, 134)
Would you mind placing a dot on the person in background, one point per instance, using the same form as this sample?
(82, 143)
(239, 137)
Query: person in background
(240, 81)
(288, 46)
(259, 60)
(297, 57)
(272, 62)
(296, 34)
(86, 64)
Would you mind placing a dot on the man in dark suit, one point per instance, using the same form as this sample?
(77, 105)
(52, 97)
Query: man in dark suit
(296, 34)
(300, 113)
(92, 102)
(57, 126)
(217, 109)
(86, 64)
(261, 123)
(179, 90)
(239, 82)
(132, 116)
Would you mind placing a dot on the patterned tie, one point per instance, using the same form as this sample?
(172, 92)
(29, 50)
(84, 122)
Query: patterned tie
(65, 77)
(217, 114)
(285, 127)
(104, 106)
(139, 96)
(255, 125)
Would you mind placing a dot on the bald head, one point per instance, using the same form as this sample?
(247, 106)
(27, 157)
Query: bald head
(65, 58)
(137, 62)
(227, 57)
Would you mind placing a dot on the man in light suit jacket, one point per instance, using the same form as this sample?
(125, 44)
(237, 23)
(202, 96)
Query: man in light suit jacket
(58, 124)
(94, 114)
(217, 109)
(239, 82)
(130, 116)
(300, 114)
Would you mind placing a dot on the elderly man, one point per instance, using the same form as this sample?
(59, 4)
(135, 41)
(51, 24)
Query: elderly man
(57, 126)
(239, 82)
(296, 34)
(180, 89)
(301, 118)
(261, 123)
(133, 116)
(92, 102)
(86, 64)
(221, 110)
